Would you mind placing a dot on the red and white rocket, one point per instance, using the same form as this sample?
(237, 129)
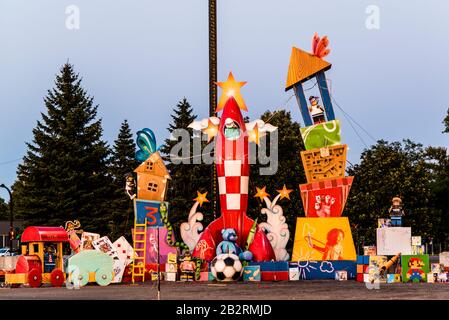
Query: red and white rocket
(232, 163)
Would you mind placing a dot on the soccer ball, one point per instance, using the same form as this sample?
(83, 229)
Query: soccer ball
(226, 267)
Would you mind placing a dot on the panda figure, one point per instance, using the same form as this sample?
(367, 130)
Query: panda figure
(229, 245)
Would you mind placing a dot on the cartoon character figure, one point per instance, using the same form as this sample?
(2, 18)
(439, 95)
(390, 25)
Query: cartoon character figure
(231, 129)
(49, 259)
(130, 187)
(187, 267)
(229, 245)
(333, 249)
(396, 212)
(316, 111)
(72, 228)
(323, 208)
(415, 273)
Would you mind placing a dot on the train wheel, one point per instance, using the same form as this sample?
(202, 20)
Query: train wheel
(103, 276)
(35, 278)
(76, 276)
(57, 278)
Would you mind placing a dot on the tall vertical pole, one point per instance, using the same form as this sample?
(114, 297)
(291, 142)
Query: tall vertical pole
(158, 268)
(213, 87)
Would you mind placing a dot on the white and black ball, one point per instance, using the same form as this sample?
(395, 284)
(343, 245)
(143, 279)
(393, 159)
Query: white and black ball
(226, 267)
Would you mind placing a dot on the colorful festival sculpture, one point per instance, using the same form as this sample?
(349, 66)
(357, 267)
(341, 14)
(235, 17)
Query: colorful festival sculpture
(232, 163)
(323, 234)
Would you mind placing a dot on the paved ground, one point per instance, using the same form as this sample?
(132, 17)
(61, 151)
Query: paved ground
(297, 290)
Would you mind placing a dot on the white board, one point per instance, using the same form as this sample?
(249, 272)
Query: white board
(444, 258)
(394, 240)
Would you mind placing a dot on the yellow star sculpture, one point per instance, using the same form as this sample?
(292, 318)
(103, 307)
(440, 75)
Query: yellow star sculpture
(261, 193)
(231, 88)
(211, 130)
(254, 135)
(201, 198)
(285, 193)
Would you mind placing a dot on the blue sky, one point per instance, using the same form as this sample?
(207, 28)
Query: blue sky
(139, 58)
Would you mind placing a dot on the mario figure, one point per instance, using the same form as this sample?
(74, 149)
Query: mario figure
(49, 260)
(415, 273)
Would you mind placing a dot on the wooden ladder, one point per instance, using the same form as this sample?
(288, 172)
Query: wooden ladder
(140, 249)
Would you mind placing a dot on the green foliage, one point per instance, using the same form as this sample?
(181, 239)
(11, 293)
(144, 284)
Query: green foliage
(387, 170)
(289, 172)
(439, 185)
(63, 175)
(4, 210)
(122, 162)
(186, 179)
(446, 123)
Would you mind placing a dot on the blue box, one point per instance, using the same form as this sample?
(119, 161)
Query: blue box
(251, 273)
(366, 259)
(271, 265)
(314, 270)
(150, 210)
(360, 260)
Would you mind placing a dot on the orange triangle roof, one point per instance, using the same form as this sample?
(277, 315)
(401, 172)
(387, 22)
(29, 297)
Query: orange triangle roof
(303, 65)
(161, 169)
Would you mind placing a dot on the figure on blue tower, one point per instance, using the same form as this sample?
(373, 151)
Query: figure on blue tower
(316, 111)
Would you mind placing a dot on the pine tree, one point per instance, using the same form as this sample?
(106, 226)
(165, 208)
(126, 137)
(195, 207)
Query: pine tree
(4, 213)
(122, 163)
(187, 179)
(446, 123)
(64, 174)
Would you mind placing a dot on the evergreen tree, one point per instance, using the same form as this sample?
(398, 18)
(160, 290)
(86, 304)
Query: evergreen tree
(64, 174)
(289, 172)
(4, 212)
(122, 163)
(446, 123)
(186, 179)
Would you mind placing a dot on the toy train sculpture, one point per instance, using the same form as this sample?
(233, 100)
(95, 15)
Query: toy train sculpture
(42, 261)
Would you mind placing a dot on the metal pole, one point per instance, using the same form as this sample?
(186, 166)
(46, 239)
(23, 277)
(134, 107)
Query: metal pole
(158, 268)
(213, 86)
(11, 217)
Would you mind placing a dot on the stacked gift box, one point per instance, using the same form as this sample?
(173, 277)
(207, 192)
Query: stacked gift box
(171, 267)
(362, 268)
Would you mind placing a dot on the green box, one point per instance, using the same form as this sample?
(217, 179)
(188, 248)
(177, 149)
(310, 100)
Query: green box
(321, 135)
(415, 268)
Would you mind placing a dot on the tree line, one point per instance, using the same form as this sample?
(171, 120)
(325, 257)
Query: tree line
(69, 172)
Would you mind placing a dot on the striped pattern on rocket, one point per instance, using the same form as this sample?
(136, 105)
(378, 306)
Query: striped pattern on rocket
(232, 163)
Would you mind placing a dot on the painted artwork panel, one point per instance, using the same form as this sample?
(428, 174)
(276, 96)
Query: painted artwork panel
(321, 135)
(152, 246)
(151, 210)
(318, 270)
(391, 241)
(325, 198)
(323, 239)
(415, 268)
